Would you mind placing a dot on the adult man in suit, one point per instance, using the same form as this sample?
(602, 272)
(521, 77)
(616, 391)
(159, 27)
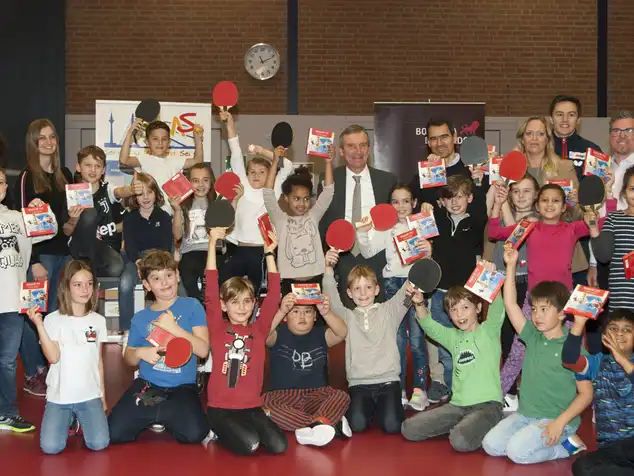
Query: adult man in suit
(358, 187)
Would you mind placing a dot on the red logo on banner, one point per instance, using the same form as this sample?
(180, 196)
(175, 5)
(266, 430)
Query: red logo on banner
(469, 129)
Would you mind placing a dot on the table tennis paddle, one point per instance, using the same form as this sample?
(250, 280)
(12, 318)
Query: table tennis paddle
(226, 184)
(591, 193)
(340, 235)
(425, 275)
(281, 135)
(225, 95)
(177, 352)
(383, 217)
(148, 110)
(474, 151)
(513, 167)
(220, 214)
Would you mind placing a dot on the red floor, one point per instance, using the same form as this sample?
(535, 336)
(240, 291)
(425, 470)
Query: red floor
(369, 454)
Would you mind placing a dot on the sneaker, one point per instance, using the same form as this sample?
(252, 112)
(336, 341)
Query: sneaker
(157, 428)
(35, 385)
(124, 342)
(75, 428)
(574, 445)
(16, 423)
(438, 393)
(419, 400)
(511, 403)
(211, 437)
(343, 428)
(319, 435)
(404, 400)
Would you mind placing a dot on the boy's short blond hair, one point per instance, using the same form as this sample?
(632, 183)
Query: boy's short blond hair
(235, 286)
(361, 271)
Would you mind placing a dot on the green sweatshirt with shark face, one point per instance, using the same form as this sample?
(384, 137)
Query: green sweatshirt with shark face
(476, 357)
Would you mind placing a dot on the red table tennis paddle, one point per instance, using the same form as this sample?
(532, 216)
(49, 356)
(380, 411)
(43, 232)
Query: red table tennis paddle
(383, 217)
(425, 275)
(226, 184)
(177, 352)
(225, 95)
(513, 166)
(340, 235)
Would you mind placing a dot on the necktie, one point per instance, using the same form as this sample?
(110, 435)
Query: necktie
(356, 208)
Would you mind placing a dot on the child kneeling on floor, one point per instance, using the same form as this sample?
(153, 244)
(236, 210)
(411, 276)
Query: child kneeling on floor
(234, 400)
(543, 429)
(476, 402)
(71, 339)
(373, 362)
(298, 398)
(162, 395)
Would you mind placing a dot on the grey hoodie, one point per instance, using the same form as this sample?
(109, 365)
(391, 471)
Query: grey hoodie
(371, 353)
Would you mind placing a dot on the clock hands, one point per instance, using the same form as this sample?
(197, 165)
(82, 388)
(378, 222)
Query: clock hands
(261, 62)
(267, 59)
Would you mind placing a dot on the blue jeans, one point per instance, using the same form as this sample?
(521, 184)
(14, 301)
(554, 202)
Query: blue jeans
(409, 330)
(438, 314)
(57, 419)
(11, 327)
(519, 438)
(30, 350)
(129, 280)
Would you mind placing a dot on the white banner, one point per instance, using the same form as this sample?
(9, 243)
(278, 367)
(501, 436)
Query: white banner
(112, 119)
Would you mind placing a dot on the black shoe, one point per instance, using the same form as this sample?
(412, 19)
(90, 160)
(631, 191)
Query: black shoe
(17, 424)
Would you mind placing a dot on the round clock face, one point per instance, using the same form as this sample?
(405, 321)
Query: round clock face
(262, 61)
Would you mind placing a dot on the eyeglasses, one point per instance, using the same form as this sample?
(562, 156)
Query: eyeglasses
(615, 131)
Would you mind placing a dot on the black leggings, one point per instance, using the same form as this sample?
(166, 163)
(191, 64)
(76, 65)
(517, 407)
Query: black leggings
(382, 400)
(242, 431)
(613, 459)
(192, 268)
(181, 413)
(106, 262)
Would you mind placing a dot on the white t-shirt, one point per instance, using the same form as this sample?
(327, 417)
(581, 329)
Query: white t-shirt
(162, 169)
(75, 377)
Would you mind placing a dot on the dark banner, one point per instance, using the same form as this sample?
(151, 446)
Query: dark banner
(400, 138)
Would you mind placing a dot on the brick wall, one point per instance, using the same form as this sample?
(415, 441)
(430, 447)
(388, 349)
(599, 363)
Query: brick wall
(620, 56)
(512, 55)
(174, 50)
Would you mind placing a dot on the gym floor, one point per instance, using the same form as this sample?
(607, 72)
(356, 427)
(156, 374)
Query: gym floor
(371, 453)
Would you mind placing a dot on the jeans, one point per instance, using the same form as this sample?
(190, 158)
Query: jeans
(11, 327)
(380, 400)
(180, 412)
(57, 418)
(466, 426)
(439, 315)
(520, 438)
(129, 280)
(30, 350)
(409, 330)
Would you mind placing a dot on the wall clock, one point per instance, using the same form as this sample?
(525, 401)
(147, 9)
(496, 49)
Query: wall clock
(262, 61)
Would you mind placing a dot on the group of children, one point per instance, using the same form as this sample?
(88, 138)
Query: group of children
(237, 325)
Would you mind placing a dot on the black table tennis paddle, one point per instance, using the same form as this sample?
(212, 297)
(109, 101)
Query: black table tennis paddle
(474, 152)
(148, 110)
(425, 275)
(591, 193)
(282, 135)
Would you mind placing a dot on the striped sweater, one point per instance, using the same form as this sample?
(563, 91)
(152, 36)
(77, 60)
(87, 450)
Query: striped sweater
(615, 241)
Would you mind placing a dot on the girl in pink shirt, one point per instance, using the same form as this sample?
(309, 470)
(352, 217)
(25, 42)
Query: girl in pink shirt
(549, 249)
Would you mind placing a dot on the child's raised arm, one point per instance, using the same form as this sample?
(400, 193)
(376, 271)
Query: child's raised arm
(49, 347)
(330, 286)
(516, 316)
(215, 234)
(337, 328)
(285, 307)
(571, 356)
(198, 150)
(125, 158)
(271, 302)
(270, 178)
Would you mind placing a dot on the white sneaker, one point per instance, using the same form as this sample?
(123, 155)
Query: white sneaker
(419, 400)
(345, 427)
(319, 435)
(157, 428)
(211, 436)
(124, 342)
(404, 400)
(511, 403)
